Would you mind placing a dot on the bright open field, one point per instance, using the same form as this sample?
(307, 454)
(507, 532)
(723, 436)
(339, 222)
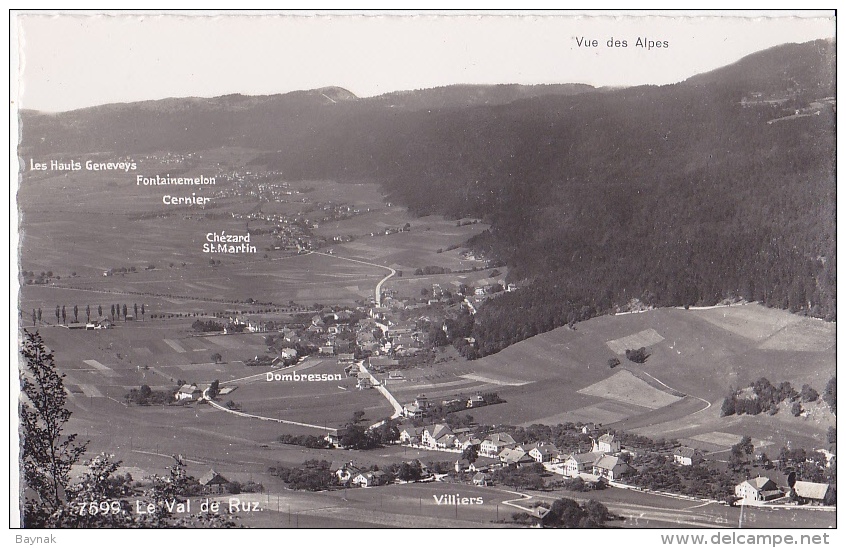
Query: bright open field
(694, 360)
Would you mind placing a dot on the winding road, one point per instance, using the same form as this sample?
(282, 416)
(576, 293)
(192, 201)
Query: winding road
(378, 285)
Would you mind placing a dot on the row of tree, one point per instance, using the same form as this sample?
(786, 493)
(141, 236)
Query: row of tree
(62, 313)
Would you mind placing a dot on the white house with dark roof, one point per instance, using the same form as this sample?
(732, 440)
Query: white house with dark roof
(188, 392)
(758, 489)
(579, 463)
(495, 443)
(543, 453)
(370, 479)
(434, 433)
(687, 456)
(606, 443)
(611, 467)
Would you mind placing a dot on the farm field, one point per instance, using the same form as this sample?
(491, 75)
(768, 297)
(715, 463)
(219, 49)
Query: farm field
(563, 375)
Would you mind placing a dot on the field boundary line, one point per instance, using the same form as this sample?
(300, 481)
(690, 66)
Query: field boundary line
(283, 421)
(706, 402)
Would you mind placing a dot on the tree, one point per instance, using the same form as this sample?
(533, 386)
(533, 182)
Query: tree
(637, 356)
(216, 357)
(113, 312)
(124, 312)
(99, 310)
(613, 362)
(831, 435)
(39, 315)
(34, 317)
(75, 314)
(57, 314)
(142, 311)
(87, 313)
(64, 315)
(135, 310)
(796, 409)
(471, 453)
(47, 453)
(830, 394)
(808, 394)
(214, 389)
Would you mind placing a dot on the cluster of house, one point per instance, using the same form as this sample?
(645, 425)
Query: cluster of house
(419, 408)
(103, 323)
(764, 489)
(605, 460)
(351, 473)
(195, 392)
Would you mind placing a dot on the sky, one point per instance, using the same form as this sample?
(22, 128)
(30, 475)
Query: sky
(76, 60)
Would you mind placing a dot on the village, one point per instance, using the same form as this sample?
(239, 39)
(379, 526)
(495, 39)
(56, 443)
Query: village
(375, 346)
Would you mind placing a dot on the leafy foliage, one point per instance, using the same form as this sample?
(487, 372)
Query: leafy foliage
(47, 452)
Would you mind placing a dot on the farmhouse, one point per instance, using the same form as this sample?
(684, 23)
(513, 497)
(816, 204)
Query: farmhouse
(687, 456)
(515, 457)
(346, 358)
(370, 479)
(482, 479)
(188, 392)
(334, 436)
(436, 435)
(579, 463)
(606, 444)
(610, 467)
(411, 435)
(810, 492)
(346, 471)
(495, 443)
(412, 411)
(475, 401)
(544, 453)
(759, 489)
(214, 483)
(464, 441)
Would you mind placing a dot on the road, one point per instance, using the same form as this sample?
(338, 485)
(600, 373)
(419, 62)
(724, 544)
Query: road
(378, 285)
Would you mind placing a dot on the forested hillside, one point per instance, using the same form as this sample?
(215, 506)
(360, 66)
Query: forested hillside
(720, 186)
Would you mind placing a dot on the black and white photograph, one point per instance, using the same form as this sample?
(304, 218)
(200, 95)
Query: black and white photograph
(424, 270)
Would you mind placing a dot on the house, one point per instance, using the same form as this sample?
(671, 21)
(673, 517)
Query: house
(610, 467)
(810, 492)
(759, 489)
(370, 479)
(412, 411)
(464, 441)
(90, 326)
(579, 463)
(475, 401)
(515, 457)
(363, 383)
(346, 471)
(495, 443)
(346, 358)
(687, 456)
(606, 444)
(544, 453)
(104, 324)
(434, 433)
(327, 350)
(334, 436)
(482, 479)
(411, 435)
(188, 392)
(422, 401)
(214, 483)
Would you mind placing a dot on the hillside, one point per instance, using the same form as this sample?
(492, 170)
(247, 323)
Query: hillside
(696, 357)
(719, 186)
